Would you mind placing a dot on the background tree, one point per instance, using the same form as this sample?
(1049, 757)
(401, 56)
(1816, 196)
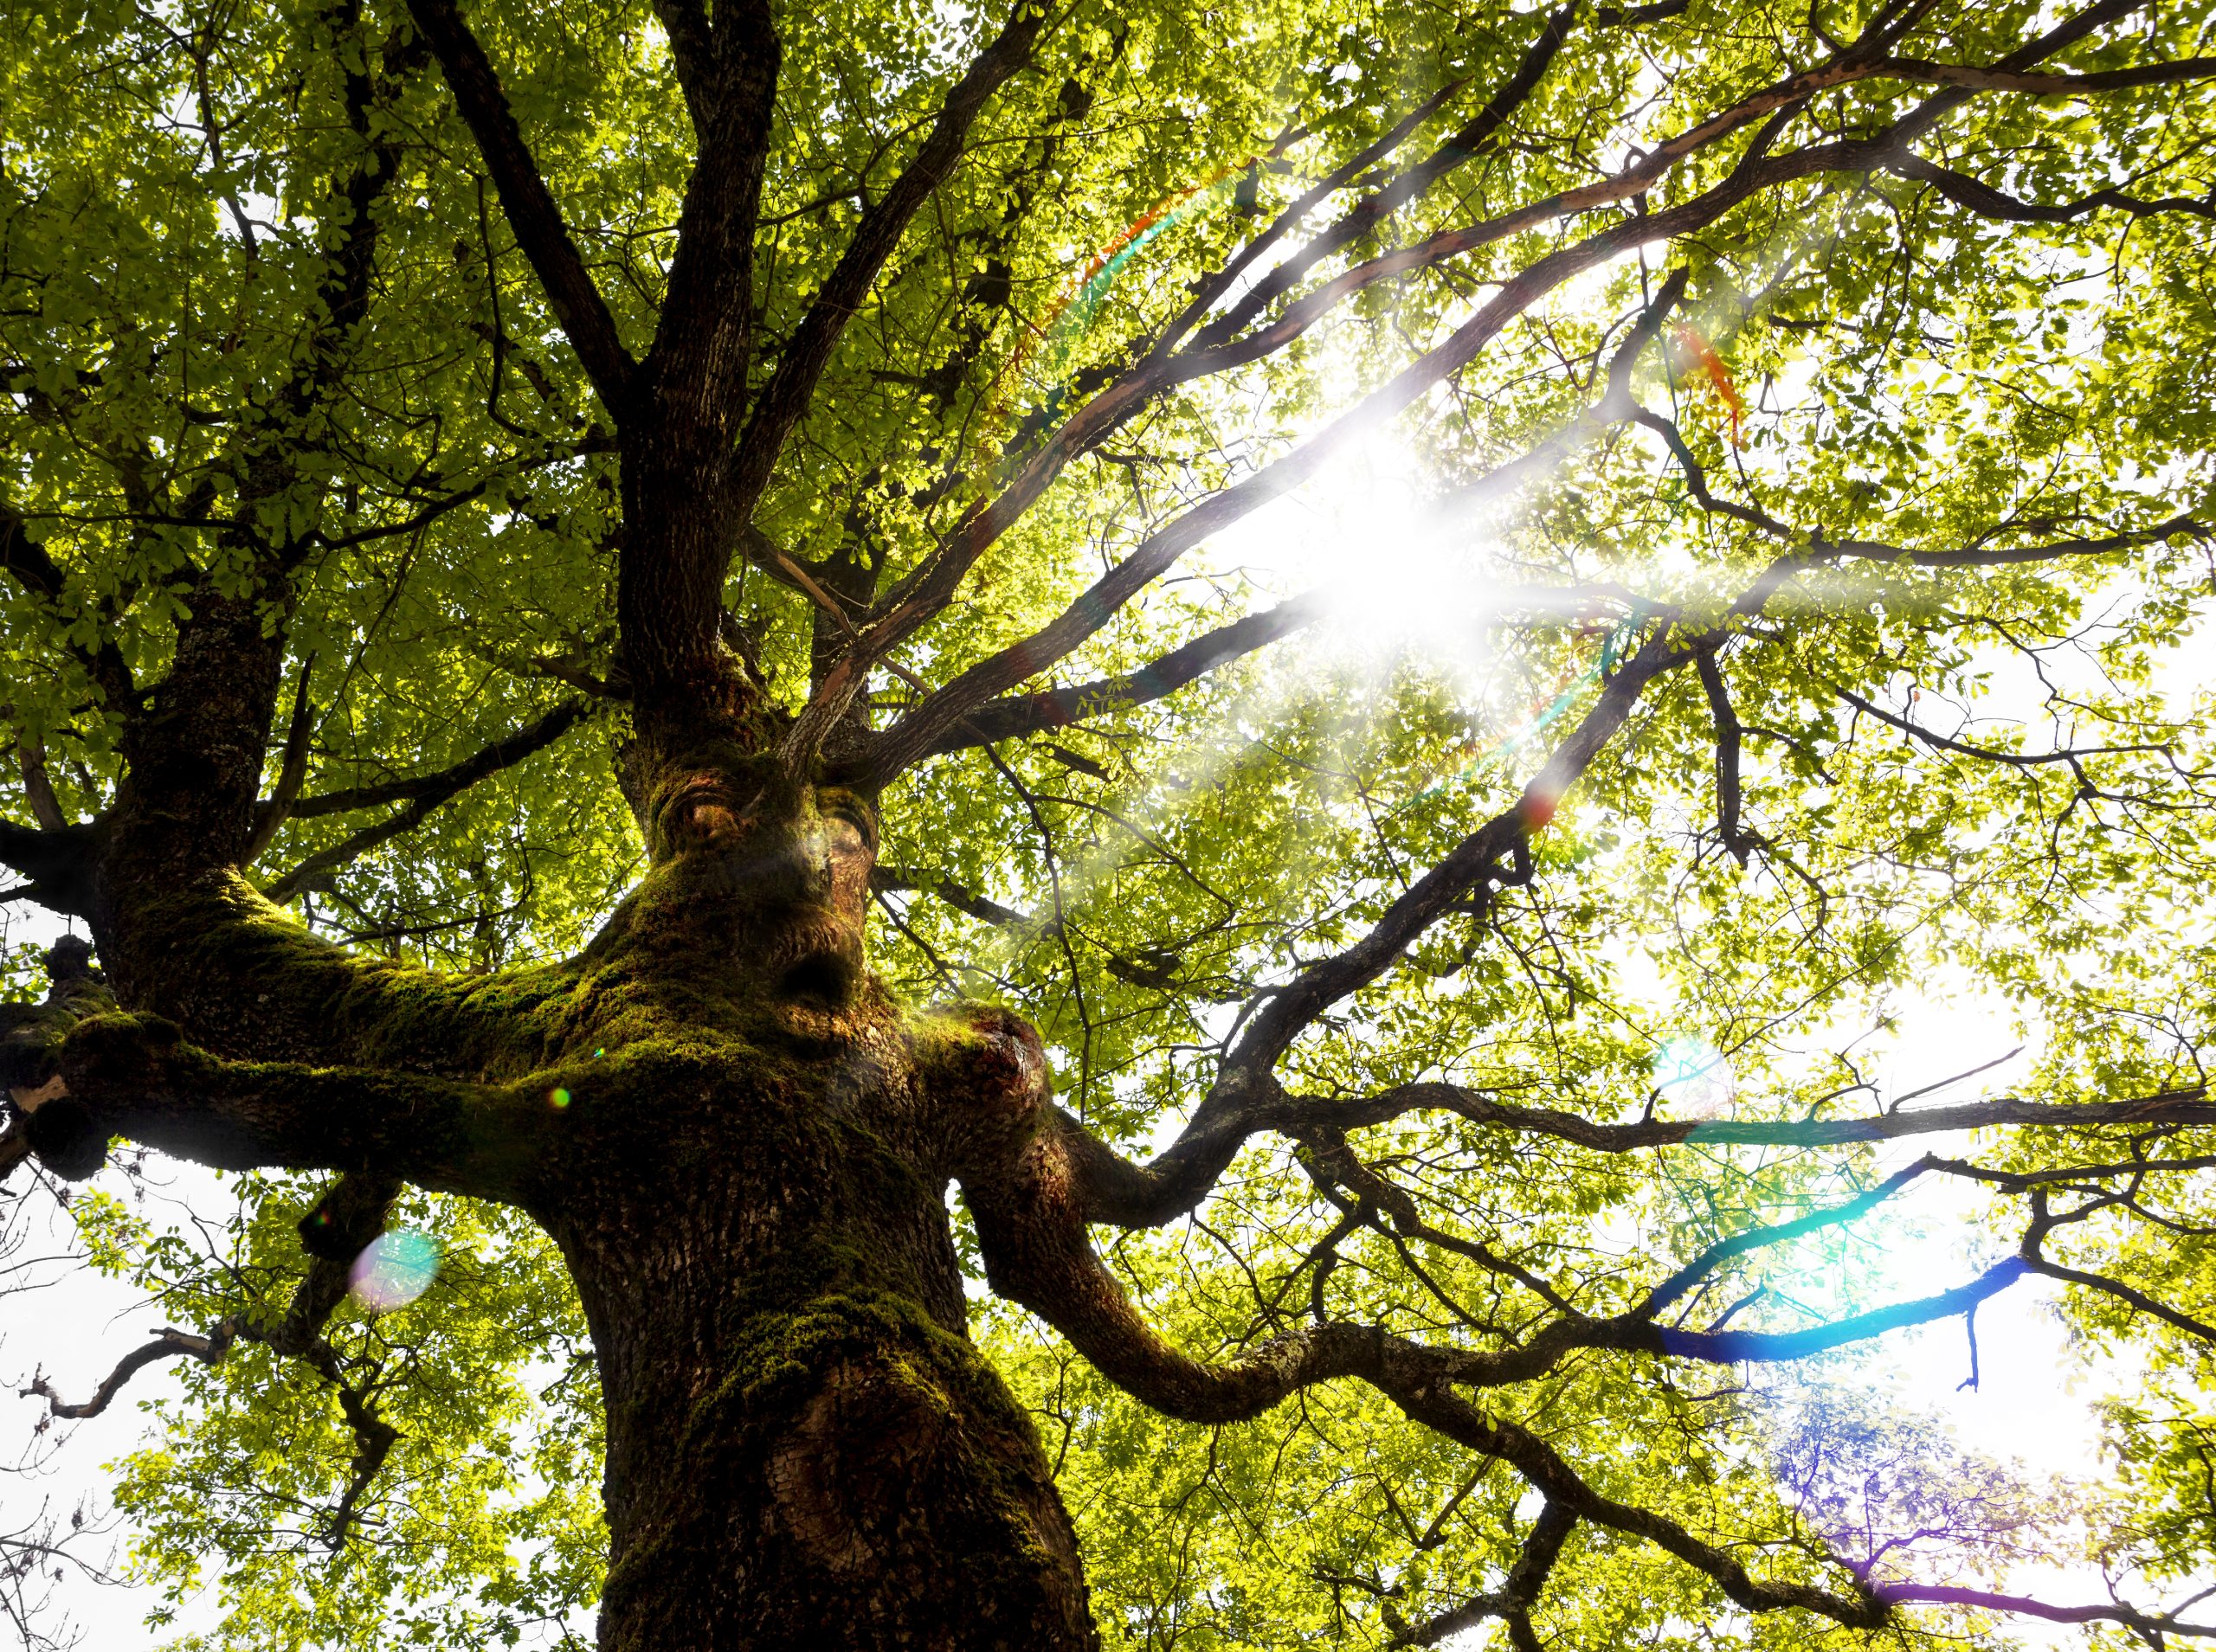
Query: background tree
(429, 434)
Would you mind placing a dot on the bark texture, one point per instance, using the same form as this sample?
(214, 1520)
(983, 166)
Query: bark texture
(743, 1146)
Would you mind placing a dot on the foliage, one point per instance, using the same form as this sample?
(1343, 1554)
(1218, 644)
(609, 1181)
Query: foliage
(1967, 734)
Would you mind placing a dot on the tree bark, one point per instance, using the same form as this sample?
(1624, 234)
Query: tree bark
(743, 1146)
(804, 1451)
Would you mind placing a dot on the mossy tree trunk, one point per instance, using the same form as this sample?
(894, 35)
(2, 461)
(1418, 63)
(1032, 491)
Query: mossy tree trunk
(741, 1145)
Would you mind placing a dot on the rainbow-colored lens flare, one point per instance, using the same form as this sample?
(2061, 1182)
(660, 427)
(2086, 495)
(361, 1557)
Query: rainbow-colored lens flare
(394, 1270)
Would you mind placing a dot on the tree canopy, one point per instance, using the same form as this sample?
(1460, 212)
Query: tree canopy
(1462, 606)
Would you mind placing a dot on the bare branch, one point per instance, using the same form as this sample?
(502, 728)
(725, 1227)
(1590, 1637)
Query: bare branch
(165, 1345)
(2073, 756)
(347, 1218)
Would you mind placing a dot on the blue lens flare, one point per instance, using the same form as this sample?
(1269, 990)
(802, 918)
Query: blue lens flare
(394, 1270)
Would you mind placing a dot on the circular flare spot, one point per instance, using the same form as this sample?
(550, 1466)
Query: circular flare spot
(559, 1097)
(394, 1270)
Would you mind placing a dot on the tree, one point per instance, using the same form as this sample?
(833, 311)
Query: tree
(426, 428)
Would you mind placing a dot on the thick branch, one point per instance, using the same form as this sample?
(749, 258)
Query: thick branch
(60, 864)
(28, 562)
(545, 240)
(1027, 714)
(1981, 79)
(785, 398)
(132, 1075)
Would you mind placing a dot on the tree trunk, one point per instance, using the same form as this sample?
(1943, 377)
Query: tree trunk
(744, 1155)
(740, 1141)
(804, 1451)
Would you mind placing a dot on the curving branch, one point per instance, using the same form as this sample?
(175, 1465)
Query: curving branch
(1243, 1106)
(2073, 756)
(1518, 1591)
(1981, 198)
(2149, 1625)
(1546, 1470)
(423, 793)
(441, 784)
(347, 1218)
(166, 1344)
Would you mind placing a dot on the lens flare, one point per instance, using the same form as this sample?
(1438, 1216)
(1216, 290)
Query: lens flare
(1692, 1076)
(394, 1270)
